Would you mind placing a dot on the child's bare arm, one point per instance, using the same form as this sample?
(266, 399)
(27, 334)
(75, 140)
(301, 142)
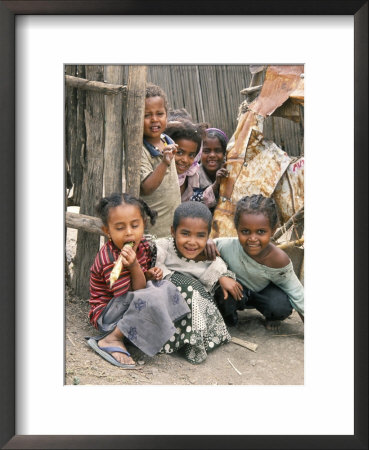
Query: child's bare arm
(155, 273)
(153, 181)
(231, 286)
(221, 173)
(210, 250)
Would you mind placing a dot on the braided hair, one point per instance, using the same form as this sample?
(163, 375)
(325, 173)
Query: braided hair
(114, 200)
(257, 204)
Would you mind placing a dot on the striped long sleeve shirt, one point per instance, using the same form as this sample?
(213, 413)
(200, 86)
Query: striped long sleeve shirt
(100, 292)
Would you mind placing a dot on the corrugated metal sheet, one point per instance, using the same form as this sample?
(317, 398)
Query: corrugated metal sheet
(260, 172)
(279, 83)
(289, 192)
(257, 165)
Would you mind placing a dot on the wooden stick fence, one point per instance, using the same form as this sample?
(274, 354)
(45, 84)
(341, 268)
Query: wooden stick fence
(96, 86)
(98, 157)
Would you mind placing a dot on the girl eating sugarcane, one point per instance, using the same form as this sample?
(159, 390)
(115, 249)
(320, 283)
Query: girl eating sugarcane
(128, 298)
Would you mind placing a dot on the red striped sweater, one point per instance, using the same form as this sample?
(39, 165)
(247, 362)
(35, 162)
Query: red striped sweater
(100, 292)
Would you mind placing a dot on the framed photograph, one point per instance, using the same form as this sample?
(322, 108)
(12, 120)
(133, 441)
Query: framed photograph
(38, 410)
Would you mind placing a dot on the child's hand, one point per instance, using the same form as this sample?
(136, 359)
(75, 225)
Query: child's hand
(169, 152)
(210, 250)
(221, 173)
(232, 286)
(155, 273)
(129, 257)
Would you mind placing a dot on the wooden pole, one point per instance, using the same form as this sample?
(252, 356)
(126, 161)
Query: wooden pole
(293, 220)
(75, 135)
(70, 122)
(92, 187)
(113, 134)
(133, 129)
(290, 244)
(70, 148)
(96, 86)
(83, 222)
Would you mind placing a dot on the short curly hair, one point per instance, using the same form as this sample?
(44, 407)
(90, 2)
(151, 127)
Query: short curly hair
(194, 210)
(184, 129)
(179, 114)
(152, 90)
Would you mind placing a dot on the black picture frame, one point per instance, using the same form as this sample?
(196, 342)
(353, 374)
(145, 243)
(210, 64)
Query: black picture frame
(8, 11)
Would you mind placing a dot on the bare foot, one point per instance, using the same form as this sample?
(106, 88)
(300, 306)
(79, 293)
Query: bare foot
(115, 339)
(272, 325)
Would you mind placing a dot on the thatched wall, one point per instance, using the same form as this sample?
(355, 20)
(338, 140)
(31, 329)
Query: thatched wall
(211, 93)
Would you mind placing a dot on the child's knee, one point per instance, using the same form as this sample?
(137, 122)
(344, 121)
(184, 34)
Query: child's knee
(281, 308)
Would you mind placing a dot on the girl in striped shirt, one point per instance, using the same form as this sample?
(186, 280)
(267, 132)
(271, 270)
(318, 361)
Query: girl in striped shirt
(139, 305)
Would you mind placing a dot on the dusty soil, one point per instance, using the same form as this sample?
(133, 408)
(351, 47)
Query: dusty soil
(278, 360)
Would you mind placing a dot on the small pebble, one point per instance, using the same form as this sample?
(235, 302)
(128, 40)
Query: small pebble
(141, 363)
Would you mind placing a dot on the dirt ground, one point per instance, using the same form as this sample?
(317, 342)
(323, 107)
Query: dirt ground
(278, 359)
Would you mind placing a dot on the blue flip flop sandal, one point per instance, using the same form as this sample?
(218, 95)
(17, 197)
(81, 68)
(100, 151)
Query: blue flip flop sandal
(105, 352)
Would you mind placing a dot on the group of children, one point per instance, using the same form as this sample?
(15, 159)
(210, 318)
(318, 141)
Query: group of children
(178, 290)
(170, 171)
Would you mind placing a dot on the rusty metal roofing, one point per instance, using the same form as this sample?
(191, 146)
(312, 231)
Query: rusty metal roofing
(259, 166)
(289, 192)
(279, 83)
(259, 173)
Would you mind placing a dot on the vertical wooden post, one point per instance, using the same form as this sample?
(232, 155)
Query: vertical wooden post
(133, 130)
(76, 134)
(81, 139)
(113, 133)
(92, 186)
(70, 147)
(70, 124)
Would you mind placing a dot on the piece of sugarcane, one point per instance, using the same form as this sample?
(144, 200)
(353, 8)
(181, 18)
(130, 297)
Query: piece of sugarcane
(118, 265)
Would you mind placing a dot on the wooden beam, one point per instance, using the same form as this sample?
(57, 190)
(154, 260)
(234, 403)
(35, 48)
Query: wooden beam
(97, 86)
(293, 220)
(113, 134)
(92, 186)
(290, 244)
(133, 129)
(251, 90)
(250, 345)
(83, 222)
